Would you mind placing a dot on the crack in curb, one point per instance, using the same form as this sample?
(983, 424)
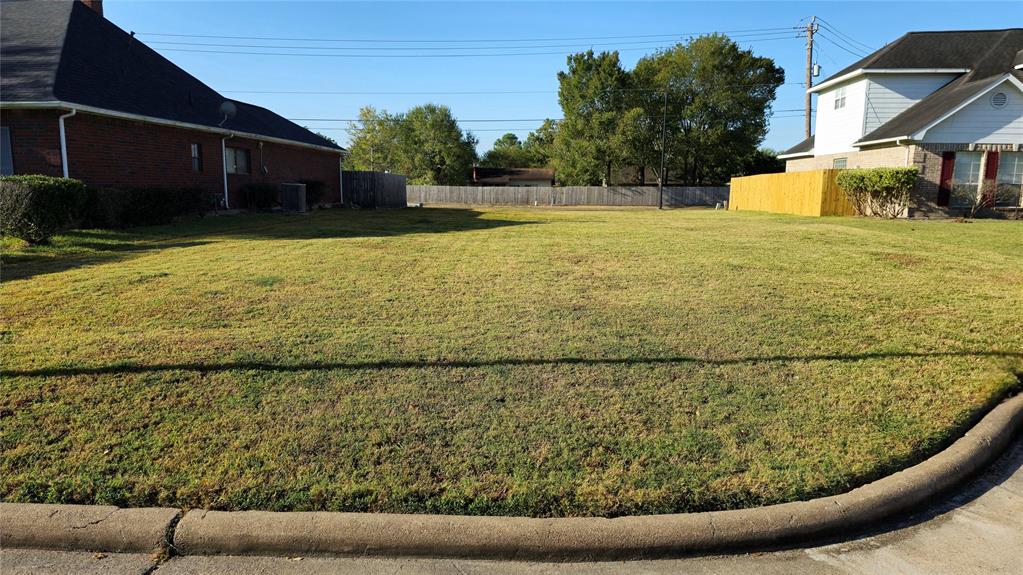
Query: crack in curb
(91, 523)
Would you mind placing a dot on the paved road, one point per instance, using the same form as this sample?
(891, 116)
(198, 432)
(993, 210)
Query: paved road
(978, 530)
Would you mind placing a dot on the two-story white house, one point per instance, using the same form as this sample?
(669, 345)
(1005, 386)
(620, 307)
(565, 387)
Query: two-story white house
(949, 103)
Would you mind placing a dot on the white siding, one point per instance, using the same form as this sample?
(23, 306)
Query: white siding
(888, 95)
(980, 122)
(838, 129)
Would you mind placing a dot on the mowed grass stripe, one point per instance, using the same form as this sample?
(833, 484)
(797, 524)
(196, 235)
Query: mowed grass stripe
(501, 361)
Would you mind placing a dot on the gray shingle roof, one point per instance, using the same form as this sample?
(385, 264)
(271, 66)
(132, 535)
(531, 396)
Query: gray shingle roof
(804, 147)
(64, 51)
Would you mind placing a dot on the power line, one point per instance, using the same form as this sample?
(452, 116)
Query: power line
(457, 41)
(428, 92)
(847, 37)
(471, 55)
(834, 43)
(474, 120)
(757, 36)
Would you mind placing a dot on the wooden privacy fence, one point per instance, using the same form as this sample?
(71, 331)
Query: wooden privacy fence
(812, 193)
(373, 190)
(674, 196)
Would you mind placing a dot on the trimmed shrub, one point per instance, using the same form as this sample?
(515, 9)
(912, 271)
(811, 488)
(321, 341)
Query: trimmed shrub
(880, 192)
(259, 196)
(34, 208)
(314, 192)
(129, 207)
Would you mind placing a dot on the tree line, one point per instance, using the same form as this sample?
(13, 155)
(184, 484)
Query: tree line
(706, 100)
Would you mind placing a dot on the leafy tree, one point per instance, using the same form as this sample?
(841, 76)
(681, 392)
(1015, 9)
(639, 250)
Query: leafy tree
(762, 161)
(425, 144)
(591, 97)
(540, 143)
(718, 97)
(507, 152)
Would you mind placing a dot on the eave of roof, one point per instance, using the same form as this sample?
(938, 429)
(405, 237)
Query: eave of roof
(864, 71)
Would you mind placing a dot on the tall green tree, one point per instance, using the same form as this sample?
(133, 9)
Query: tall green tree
(591, 96)
(425, 144)
(718, 100)
(507, 152)
(540, 144)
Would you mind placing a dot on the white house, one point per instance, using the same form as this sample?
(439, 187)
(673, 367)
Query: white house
(949, 103)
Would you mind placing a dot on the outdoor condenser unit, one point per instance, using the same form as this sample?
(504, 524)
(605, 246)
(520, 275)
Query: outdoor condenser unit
(293, 197)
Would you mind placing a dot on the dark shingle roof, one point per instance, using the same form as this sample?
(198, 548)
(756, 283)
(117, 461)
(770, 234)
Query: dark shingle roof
(984, 52)
(64, 51)
(988, 54)
(509, 175)
(804, 147)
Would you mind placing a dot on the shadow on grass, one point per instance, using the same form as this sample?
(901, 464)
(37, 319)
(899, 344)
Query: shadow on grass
(80, 248)
(465, 364)
(79, 253)
(345, 223)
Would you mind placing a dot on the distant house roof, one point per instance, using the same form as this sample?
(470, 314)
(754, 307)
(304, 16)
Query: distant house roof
(499, 176)
(804, 148)
(65, 53)
(981, 58)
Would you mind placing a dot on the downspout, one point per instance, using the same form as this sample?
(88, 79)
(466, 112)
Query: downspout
(63, 140)
(223, 157)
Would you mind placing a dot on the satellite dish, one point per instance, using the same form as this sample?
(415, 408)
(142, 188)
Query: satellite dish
(229, 110)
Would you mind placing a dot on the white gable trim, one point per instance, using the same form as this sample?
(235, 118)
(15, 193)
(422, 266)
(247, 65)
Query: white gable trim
(865, 71)
(808, 154)
(1012, 80)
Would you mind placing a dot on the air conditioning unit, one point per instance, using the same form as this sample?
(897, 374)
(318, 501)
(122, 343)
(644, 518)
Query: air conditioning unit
(293, 197)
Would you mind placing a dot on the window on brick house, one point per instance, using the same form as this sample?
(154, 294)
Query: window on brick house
(6, 158)
(1010, 179)
(966, 178)
(237, 161)
(839, 163)
(840, 98)
(196, 157)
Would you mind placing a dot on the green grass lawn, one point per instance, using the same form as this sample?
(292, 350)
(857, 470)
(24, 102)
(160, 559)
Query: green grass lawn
(501, 361)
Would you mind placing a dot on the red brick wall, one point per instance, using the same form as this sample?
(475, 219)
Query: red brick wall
(104, 151)
(35, 141)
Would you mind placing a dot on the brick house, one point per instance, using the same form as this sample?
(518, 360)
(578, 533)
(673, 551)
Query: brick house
(948, 103)
(81, 98)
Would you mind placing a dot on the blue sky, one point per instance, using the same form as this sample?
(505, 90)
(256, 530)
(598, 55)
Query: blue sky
(500, 25)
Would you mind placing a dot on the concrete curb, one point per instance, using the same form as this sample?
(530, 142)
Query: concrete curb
(86, 527)
(106, 528)
(323, 533)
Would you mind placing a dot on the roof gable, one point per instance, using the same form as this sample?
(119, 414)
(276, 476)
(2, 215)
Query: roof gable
(65, 51)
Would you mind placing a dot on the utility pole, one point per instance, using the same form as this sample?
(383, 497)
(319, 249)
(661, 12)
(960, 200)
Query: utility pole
(664, 126)
(810, 29)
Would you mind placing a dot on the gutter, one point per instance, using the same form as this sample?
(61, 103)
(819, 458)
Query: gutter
(63, 140)
(223, 159)
(865, 71)
(161, 121)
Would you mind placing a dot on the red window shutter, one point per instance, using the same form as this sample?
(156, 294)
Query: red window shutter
(948, 162)
(990, 174)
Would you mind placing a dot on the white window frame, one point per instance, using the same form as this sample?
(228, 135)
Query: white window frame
(962, 187)
(840, 98)
(1010, 175)
(843, 160)
(232, 160)
(195, 149)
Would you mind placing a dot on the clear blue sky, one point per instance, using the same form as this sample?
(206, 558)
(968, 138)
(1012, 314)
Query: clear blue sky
(502, 25)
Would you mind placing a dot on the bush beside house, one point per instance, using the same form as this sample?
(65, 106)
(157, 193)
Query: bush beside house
(880, 192)
(34, 208)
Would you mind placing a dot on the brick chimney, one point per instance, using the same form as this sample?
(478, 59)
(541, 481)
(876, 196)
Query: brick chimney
(96, 5)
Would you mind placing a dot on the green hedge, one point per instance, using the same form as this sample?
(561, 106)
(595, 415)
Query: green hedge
(259, 196)
(34, 208)
(880, 192)
(129, 207)
(314, 192)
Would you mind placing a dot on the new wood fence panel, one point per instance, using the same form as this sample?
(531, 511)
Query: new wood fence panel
(373, 189)
(674, 196)
(810, 193)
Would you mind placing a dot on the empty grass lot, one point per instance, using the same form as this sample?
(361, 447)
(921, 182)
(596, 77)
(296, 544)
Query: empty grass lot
(502, 361)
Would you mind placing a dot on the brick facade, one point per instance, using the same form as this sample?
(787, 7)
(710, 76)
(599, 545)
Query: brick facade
(114, 152)
(925, 157)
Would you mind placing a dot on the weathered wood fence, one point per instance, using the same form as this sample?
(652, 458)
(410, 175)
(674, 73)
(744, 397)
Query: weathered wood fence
(674, 196)
(811, 193)
(373, 189)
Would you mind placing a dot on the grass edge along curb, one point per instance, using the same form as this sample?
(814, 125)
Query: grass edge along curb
(112, 529)
(326, 533)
